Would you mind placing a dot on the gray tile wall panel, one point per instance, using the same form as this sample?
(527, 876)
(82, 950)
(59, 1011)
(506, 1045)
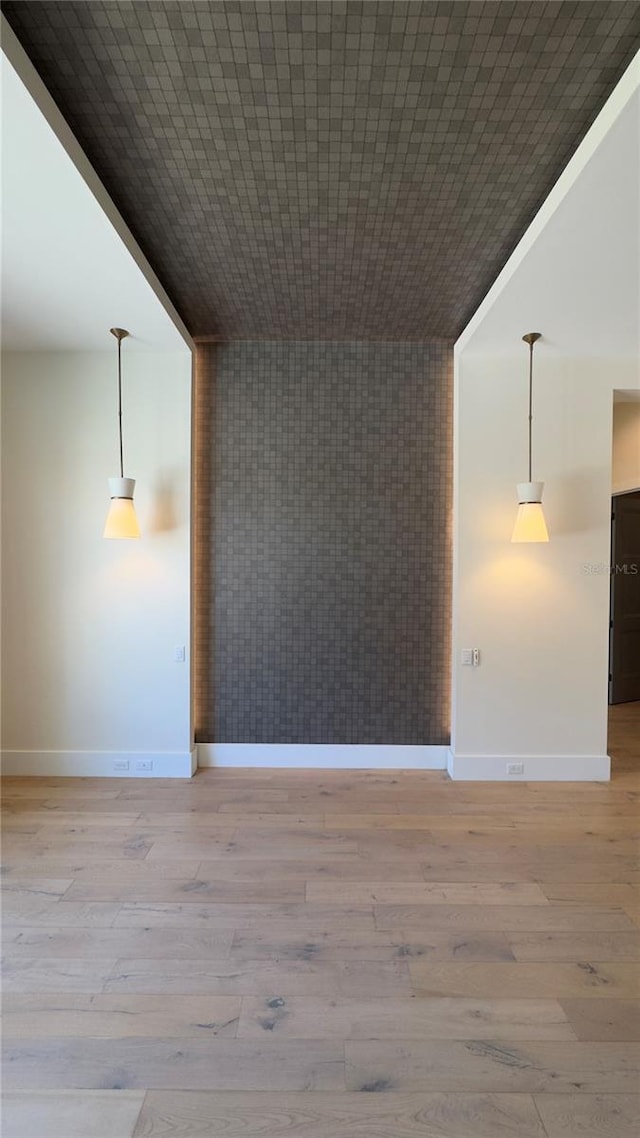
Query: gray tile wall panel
(330, 543)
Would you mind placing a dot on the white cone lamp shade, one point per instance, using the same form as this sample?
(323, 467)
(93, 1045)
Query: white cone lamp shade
(121, 520)
(530, 524)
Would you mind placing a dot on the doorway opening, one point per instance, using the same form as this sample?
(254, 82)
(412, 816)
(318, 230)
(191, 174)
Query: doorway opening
(624, 600)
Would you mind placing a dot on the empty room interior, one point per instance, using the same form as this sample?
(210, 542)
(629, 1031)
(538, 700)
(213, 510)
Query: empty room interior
(320, 568)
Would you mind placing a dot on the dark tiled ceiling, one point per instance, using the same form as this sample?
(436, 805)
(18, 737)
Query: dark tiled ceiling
(331, 170)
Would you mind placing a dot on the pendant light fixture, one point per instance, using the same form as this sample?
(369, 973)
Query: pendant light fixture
(530, 524)
(121, 520)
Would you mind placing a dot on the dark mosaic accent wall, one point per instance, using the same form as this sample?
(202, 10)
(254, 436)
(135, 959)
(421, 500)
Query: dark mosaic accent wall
(330, 543)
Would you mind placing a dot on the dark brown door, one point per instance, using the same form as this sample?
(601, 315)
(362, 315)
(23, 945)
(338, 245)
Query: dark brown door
(624, 650)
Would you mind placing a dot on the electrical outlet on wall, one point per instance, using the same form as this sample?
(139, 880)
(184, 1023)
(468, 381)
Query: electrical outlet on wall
(144, 764)
(515, 768)
(121, 764)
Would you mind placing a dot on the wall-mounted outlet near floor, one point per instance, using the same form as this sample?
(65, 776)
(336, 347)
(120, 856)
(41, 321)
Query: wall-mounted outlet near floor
(144, 764)
(515, 768)
(121, 764)
(471, 657)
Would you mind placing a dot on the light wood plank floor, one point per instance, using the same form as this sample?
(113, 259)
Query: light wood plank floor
(323, 955)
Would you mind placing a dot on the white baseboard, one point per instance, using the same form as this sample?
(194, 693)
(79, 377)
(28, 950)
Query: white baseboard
(100, 764)
(322, 756)
(537, 768)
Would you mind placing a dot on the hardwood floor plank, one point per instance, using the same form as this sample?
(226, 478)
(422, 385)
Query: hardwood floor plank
(233, 916)
(613, 893)
(64, 818)
(19, 885)
(32, 856)
(51, 974)
(192, 821)
(432, 893)
(70, 1114)
(372, 821)
(490, 846)
(136, 873)
(270, 942)
(303, 1017)
(548, 847)
(582, 870)
(540, 981)
(33, 910)
(22, 789)
(587, 871)
(280, 833)
(149, 836)
(178, 1063)
(193, 890)
(284, 849)
(312, 1115)
(507, 918)
(46, 798)
(557, 827)
(308, 804)
(589, 1116)
(207, 795)
(609, 1020)
(496, 1067)
(194, 845)
(341, 868)
(19, 785)
(14, 827)
(489, 872)
(114, 1016)
(88, 804)
(272, 977)
(592, 946)
(187, 944)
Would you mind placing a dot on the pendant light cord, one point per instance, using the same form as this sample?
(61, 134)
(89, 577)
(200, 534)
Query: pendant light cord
(120, 405)
(530, 407)
(120, 334)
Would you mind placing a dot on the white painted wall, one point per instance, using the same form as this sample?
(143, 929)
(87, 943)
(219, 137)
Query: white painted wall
(626, 446)
(538, 613)
(89, 626)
